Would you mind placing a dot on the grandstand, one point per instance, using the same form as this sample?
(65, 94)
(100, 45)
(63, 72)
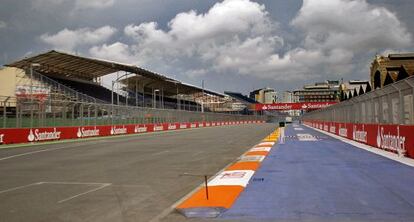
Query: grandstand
(83, 75)
(60, 86)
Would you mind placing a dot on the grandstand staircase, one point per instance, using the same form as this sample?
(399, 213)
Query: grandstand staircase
(59, 91)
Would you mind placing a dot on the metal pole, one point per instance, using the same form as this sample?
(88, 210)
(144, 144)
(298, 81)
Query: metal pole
(127, 91)
(31, 96)
(136, 91)
(117, 88)
(206, 182)
(202, 97)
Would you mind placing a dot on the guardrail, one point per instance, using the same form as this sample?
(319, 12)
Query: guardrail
(392, 104)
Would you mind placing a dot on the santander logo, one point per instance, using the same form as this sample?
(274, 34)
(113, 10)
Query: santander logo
(82, 132)
(343, 131)
(332, 129)
(390, 141)
(158, 128)
(37, 135)
(183, 126)
(117, 131)
(359, 135)
(1, 138)
(172, 127)
(139, 129)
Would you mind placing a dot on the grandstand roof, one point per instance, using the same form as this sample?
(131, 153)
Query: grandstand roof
(62, 64)
(68, 65)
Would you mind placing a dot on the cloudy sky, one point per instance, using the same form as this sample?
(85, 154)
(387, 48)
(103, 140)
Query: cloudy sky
(235, 45)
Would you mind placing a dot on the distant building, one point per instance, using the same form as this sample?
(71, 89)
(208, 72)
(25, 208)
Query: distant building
(394, 67)
(328, 91)
(264, 95)
(286, 97)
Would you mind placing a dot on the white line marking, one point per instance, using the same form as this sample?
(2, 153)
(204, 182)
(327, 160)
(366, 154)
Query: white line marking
(298, 129)
(404, 160)
(305, 137)
(72, 183)
(89, 191)
(41, 151)
(19, 187)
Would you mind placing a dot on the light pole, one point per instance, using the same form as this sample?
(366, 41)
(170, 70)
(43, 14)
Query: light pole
(202, 97)
(31, 92)
(154, 98)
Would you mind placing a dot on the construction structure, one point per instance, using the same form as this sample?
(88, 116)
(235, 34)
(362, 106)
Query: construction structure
(389, 69)
(354, 88)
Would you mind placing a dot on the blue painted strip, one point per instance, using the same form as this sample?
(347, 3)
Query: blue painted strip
(326, 180)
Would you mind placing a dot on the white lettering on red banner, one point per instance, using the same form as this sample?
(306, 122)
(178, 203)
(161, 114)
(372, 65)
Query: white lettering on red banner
(82, 132)
(172, 127)
(117, 131)
(391, 142)
(142, 129)
(332, 129)
(293, 106)
(343, 132)
(183, 126)
(158, 128)
(359, 135)
(1, 138)
(37, 135)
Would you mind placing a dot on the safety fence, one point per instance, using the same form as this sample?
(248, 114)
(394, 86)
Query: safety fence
(392, 104)
(35, 113)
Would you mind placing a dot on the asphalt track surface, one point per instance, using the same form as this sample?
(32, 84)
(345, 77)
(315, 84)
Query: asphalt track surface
(325, 180)
(132, 178)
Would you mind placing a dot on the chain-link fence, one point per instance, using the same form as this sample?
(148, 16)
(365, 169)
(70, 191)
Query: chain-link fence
(392, 104)
(32, 112)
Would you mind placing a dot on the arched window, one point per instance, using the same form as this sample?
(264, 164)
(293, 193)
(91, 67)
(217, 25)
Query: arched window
(388, 79)
(402, 73)
(377, 80)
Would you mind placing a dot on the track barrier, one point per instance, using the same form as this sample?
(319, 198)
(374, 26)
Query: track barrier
(33, 135)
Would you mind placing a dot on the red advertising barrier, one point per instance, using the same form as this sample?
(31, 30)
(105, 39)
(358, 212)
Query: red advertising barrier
(25, 135)
(293, 106)
(394, 138)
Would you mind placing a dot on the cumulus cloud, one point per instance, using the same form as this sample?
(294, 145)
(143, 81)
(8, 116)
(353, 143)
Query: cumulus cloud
(352, 25)
(69, 40)
(238, 36)
(118, 51)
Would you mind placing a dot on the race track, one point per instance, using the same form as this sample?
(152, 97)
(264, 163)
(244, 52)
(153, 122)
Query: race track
(132, 178)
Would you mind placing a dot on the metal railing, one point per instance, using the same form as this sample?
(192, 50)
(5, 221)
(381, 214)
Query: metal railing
(392, 104)
(65, 90)
(27, 112)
